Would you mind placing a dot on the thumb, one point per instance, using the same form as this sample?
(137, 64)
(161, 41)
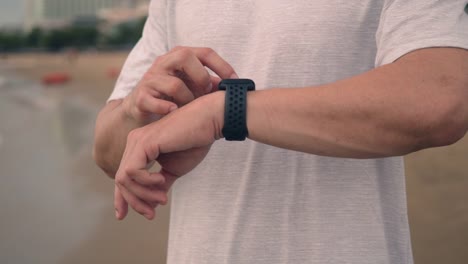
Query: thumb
(215, 80)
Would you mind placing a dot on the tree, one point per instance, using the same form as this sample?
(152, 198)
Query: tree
(127, 33)
(11, 40)
(34, 38)
(74, 36)
(56, 40)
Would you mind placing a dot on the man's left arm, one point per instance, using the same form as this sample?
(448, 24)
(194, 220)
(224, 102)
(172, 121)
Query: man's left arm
(417, 102)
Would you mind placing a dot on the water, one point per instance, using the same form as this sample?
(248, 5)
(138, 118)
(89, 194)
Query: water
(55, 204)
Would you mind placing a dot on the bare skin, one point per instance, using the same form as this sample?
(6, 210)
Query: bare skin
(414, 103)
(174, 80)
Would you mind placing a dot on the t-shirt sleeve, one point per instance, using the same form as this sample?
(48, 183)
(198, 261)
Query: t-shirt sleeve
(152, 44)
(408, 25)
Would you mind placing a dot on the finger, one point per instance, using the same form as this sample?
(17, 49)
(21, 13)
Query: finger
(209, 58)
(148, 194)
(138, 155)
(215, 83)
(176, 48)
(170, 179)
(153, 205)
(120, 205)
(184, 64)
(172, 87)
(164, 187)
(134, 158)
(138, 205)
(143, 177)
(149, 103)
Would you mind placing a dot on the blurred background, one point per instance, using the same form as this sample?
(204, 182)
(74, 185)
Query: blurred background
(59, 60)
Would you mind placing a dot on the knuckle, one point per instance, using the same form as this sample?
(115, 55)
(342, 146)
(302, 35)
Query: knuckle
(176, 48)
(139, 100)
(157, 61)
(183, 54)
(174, 86)
(128, 172)
(120, 181)
(133, 135)
(146, 77)
(207, 52)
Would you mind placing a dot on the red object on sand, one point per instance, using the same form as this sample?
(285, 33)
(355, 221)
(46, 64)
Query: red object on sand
(55, 78)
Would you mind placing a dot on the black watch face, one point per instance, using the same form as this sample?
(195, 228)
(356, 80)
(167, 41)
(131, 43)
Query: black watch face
(237, 82)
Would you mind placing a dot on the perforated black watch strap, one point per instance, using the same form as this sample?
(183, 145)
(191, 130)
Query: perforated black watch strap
(235, 110)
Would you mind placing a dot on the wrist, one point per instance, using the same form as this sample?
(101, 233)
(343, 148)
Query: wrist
(235, 111)
(126, 107)
(216, 101)
(131, 114)
(127, 110)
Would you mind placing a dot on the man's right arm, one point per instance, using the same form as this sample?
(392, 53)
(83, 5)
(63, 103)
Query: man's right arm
(112, 128)
(173, 80)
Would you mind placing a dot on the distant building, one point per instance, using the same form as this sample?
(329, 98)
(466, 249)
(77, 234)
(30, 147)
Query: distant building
(57, 13)
(118, 15)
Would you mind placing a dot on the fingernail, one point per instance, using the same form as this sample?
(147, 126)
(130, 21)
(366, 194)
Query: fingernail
(116, 214)
(209, 88)
(172, 108)
(234, 76)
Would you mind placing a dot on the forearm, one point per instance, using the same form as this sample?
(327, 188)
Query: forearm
(112, 128)
(389, 111)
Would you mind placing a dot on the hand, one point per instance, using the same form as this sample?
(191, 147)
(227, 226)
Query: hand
(174, 80)
(179, 142)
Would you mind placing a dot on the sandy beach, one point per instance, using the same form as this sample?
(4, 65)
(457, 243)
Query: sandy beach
(56, 203)
(90, 72)
(437, 179)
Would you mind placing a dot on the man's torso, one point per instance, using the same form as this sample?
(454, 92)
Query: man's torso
(252, 203)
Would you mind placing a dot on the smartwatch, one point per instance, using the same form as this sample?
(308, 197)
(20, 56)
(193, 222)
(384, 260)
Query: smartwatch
(235, 108)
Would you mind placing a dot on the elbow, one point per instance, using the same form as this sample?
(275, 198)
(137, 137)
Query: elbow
(101, 161)
(443, 125)
(105, 153)
(448, 135)
(97, 157)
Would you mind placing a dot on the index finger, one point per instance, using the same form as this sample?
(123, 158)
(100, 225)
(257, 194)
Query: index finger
(209, 58)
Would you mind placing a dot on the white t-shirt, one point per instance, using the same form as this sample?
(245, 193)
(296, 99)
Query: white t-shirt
(252, 203)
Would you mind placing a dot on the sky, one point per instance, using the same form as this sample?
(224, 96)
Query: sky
(11, 12)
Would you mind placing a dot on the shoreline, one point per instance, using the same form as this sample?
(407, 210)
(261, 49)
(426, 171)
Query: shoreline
(93, 74)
